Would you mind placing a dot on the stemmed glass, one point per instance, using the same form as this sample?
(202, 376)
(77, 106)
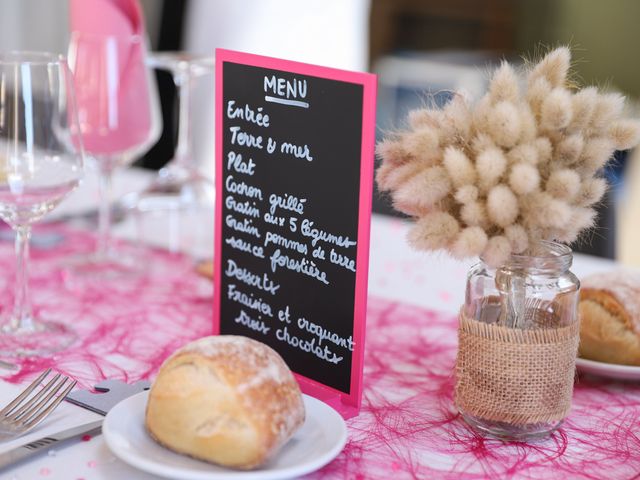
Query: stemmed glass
(41, 161)
(179, 192)
(181, 169)
(176, 210)
(119, 120)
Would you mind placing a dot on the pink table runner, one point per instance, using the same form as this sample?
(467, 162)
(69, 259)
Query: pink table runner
(408, 427)
(125, 328)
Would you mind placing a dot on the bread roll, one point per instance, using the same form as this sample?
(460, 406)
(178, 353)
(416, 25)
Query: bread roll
(205, 268)
(227, 400)
(610, 318)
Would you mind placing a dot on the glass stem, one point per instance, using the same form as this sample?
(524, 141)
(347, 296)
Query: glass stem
(22, 318)
(513, 298)
(104, 216)
(183, 83)
(517, 297)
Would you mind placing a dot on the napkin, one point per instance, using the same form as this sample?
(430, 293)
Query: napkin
(64, 416)
(108, 17)
(112, 89)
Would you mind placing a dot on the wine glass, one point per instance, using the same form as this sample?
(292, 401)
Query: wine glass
(119, 120)
(174, 206)
(181, 169)
(41, 161)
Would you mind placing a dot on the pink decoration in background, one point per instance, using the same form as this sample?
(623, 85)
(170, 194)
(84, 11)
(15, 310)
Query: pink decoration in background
(407, 427)
(113, 107)
(106, 17)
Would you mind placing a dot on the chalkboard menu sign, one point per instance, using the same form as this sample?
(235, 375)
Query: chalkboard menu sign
(294, 172)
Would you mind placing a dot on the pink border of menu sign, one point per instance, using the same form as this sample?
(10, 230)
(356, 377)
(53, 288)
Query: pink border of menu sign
(347, 404)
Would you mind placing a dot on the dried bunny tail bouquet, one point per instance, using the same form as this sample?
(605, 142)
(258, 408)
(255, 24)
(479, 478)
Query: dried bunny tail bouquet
(518, 166)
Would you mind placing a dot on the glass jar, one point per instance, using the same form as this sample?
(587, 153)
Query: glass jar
(531, 299)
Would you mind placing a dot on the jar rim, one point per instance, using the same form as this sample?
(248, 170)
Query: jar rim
(552, 250)
(543, 255)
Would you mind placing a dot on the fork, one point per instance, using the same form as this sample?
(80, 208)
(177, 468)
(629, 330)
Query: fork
(25, 412)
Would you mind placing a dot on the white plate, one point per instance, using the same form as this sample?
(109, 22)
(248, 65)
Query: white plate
(611, 370)
(320, 439)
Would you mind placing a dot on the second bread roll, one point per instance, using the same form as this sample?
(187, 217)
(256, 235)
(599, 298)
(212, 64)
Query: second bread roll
(610, 318)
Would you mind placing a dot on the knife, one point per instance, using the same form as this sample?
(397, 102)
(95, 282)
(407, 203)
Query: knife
(110, 393)
(18, 453)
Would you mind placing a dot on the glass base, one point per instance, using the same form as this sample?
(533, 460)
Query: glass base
(41, 339)
(182, 185)
(176, 213)
(510, 432)
(96, 270)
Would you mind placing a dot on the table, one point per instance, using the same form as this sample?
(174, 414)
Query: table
(408, 427)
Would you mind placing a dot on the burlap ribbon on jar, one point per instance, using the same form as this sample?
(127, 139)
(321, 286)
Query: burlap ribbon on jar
(515, 376)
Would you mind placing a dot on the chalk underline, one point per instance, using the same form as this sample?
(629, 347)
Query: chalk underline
(284, 101)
